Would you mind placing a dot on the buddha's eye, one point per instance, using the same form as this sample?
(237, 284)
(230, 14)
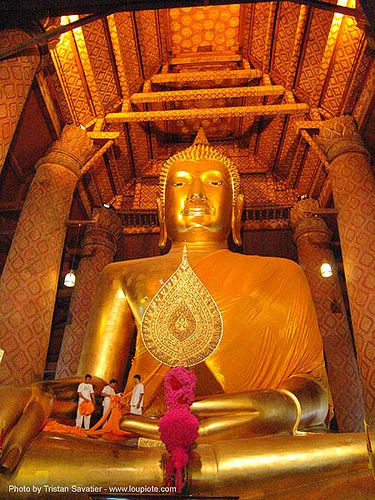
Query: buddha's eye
(215, 183)
(179, 183)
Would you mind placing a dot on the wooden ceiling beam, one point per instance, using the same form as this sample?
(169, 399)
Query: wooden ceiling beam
(16, 167)
(187, 114)
(103, 136)
(109, 174)
(47, 105)
(199, 58)
(204, 76)
(83, 199)
(316, 148)
(298, 41)
(199, 94)
(51, 8)
(309, 124)
(269, 39)
(96, 157)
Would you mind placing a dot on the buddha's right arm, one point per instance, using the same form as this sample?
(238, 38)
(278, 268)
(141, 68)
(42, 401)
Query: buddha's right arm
(25, 409)
(110, 330)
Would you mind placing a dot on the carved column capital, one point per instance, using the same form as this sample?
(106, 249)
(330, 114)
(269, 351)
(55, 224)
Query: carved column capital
(340, 135)
(72, 150)
(106, 231)
(303, 223)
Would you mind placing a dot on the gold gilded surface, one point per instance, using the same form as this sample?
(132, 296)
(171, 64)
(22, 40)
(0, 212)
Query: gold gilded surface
(150, 443)
(314, 467)
(182, 324)
(198, 151)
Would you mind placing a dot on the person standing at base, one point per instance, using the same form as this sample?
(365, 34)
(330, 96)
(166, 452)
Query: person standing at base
(86, 394)
(136, 401)
(107, 392)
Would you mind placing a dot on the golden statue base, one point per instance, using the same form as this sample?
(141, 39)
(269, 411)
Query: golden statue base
(317, 466)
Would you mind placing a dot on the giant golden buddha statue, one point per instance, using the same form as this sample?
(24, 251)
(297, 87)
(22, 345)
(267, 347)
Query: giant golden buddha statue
(271, 341)
(266, 375)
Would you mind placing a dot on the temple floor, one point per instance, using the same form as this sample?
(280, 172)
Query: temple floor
(313, 467)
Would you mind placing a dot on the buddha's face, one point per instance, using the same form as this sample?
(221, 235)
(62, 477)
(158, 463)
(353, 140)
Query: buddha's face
(198, 201)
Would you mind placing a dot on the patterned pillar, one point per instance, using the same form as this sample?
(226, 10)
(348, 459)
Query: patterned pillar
(16, 76)
(29, 280)
(99, 246)
(353, 187)
(312, 237)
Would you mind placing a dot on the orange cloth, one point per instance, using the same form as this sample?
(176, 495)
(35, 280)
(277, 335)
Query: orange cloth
(86, 407)
(56, 427)
(270, 328)
(111, 431)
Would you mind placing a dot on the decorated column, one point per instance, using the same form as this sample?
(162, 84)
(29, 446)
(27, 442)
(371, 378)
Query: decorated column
(353, 187)
(312, 237)
(16, 76)
(29, 280)
(98, 248)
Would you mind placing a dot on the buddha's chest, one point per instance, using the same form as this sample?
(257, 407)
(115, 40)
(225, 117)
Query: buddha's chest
(142, 285)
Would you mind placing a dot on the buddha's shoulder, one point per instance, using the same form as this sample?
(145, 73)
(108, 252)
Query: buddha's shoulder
(278, 264)
(125, 267)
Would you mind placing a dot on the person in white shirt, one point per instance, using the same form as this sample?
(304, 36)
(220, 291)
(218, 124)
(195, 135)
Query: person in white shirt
(107, 392)
(136, 401)
(86, 393)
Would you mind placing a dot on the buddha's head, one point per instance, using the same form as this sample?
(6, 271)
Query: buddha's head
(199, 196)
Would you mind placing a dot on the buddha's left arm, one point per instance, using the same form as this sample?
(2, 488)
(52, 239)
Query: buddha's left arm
(310, 400)
(307, 385)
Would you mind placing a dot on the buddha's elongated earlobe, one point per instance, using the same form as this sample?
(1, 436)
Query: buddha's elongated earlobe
(163, 228)
(236, 219)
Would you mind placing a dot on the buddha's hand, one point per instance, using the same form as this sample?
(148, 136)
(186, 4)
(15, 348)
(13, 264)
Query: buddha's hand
(300, 402)
(25, 409)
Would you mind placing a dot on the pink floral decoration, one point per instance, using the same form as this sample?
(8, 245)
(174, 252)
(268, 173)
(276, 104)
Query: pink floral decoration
(178, 427)
(179, 386)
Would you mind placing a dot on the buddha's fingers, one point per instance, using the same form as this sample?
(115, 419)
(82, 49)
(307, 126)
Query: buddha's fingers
(65, 406)
(65, 392)
(27, 427)
(225, 404)
(229, 427)
(13, 400)
(66, 389)
(140, 425)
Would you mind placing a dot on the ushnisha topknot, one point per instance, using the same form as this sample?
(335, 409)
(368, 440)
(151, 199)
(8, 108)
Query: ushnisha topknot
(200, 149)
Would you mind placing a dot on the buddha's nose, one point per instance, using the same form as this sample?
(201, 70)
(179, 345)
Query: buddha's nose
(197, 198)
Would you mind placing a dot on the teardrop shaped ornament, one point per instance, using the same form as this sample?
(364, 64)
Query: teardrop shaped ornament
(182, 324)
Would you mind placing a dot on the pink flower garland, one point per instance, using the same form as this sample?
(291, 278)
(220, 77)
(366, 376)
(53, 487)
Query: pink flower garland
(178, 427)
